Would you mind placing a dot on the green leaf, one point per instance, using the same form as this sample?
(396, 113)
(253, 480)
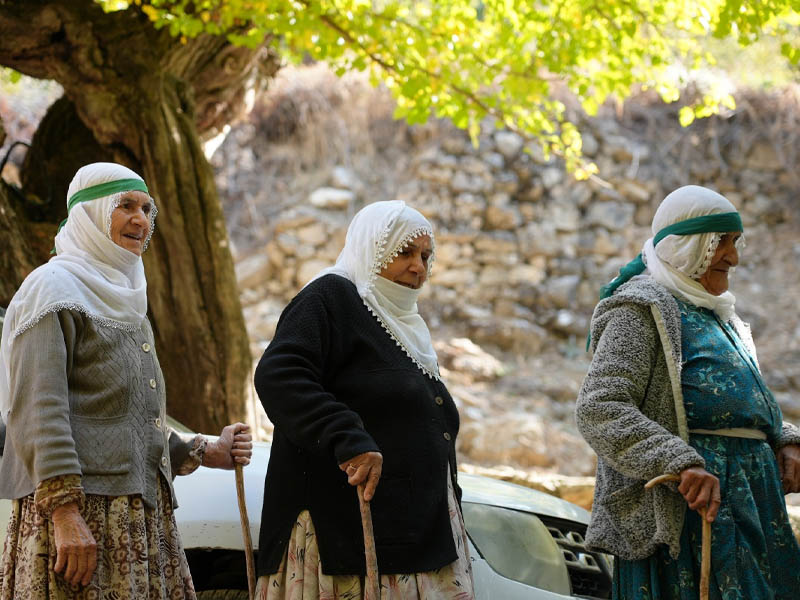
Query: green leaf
(686, 116)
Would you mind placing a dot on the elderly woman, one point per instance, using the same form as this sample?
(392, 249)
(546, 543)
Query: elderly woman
(674, 387)
(351, 382)
(89, 458)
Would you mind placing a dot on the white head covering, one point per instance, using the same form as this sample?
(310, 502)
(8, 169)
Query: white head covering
(90, 273)
(679, 260)
(376, 235)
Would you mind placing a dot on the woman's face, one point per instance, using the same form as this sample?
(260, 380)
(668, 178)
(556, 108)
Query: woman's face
(715, 279)
(410, 267)
(130, 222)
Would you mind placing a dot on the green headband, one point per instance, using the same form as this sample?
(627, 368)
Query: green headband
(706, 224)
(101, 190)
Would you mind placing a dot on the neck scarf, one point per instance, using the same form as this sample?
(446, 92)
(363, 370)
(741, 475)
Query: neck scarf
(376, 235)
(687, 228)
(90, 273)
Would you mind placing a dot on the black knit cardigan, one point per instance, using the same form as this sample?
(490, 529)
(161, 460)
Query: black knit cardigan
(335, 385)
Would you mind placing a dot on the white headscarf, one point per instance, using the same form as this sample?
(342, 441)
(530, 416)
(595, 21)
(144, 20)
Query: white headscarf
(679, 260)
(90, 273)
(376, 235)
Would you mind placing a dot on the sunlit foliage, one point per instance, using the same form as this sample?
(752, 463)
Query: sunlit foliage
(465, 60)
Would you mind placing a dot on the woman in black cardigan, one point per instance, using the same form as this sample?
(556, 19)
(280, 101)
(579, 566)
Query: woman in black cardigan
(351, 382)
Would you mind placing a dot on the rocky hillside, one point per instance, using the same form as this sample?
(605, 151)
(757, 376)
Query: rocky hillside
(522, 248)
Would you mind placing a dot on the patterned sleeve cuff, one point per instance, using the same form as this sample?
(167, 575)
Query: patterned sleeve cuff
(58, 491)
(195, 457)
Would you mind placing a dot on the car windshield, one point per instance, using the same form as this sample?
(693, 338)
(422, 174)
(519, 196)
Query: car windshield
(517, 545)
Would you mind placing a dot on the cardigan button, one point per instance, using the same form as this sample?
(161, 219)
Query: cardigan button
(158, 422)
(153, 383)
(439, 400)
(163, 461)
(447, 436)
(146, 347)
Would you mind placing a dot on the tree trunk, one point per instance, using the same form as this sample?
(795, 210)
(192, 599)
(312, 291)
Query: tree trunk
(135, 90)
(16, 257)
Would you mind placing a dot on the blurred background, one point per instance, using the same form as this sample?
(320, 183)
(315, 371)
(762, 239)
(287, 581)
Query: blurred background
(522, 247)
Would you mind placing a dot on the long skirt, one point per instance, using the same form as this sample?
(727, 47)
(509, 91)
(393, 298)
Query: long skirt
(754, 555)
(139, 552)
(300, 575)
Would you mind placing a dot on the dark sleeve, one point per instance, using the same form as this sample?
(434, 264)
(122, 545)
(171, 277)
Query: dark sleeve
(607, 411)
(289, 380)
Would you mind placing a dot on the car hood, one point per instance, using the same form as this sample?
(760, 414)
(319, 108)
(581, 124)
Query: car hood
(208, 514)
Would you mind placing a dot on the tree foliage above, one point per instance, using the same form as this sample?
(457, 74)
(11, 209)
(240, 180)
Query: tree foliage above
(466, 59)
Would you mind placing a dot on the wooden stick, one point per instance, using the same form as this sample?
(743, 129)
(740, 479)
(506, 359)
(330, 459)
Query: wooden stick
(372, 585)
(705, 561)
(248, 542)
(705, 553)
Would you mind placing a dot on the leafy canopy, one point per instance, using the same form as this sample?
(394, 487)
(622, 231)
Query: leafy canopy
(469, 59)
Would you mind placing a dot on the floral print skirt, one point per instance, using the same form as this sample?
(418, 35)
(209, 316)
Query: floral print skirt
(754, 554)
(300, 575)
(139, 552)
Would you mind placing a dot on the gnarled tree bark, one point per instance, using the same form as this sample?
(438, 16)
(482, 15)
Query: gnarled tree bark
(137, 96)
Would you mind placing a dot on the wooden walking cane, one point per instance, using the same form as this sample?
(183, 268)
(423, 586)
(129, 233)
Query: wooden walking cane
(372, 583)
(705, 553)
(248, 542)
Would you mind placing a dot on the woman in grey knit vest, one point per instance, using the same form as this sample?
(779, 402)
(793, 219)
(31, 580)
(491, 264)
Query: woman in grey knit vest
(89, 458)
(675, 388)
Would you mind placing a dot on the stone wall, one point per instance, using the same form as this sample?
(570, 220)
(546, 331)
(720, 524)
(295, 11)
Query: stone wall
(521, 247)
(522, 250)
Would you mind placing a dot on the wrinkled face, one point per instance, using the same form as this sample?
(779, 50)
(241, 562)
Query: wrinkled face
(410, 266)
(715, 279)
(130, 222)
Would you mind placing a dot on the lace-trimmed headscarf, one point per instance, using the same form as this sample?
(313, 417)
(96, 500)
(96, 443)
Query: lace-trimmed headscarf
(376, 235)
(90, 273)
(687, 228)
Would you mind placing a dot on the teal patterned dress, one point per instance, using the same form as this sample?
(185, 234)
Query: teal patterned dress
(754, 555)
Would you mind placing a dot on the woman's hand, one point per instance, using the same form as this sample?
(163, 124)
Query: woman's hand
(789, 467)
(364, 467)
(76, 550)
(234, 446)
(701, 490)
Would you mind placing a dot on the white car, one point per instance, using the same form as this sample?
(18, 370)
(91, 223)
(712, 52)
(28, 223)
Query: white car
(525, 545)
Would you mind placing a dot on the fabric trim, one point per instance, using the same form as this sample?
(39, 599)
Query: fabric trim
(388, 330)
(53, 308)
(737, 432)
(674, 375)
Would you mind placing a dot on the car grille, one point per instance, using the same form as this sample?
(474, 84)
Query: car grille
(589, 571)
